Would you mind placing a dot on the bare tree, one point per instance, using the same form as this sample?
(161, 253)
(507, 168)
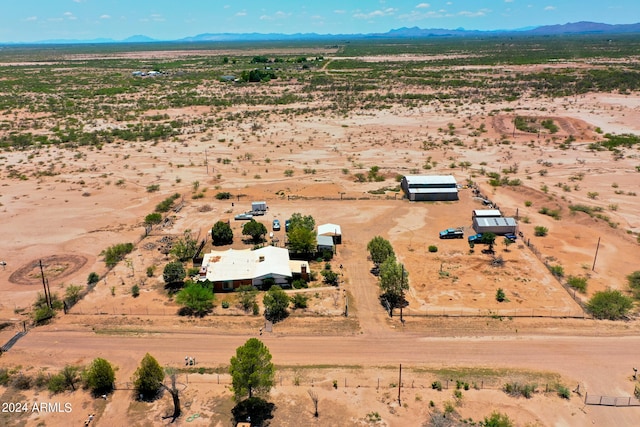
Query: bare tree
(314, 398)
(173, 390)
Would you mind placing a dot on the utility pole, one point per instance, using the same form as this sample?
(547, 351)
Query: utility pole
(400, 386)
(596, 256)
(44, 285)
(402, 297)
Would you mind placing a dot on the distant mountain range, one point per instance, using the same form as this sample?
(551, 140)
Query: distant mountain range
(409, 33)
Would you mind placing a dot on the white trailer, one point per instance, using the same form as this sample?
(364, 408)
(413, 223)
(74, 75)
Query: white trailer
(259, 206)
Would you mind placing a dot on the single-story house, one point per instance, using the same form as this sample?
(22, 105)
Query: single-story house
(430, 187)
(332, 230)
(325, 243)
(230, 269)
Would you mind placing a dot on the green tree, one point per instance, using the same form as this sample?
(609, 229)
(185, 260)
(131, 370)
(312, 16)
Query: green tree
(276, 303)
(147, 379)
(255, 229)
(393, 280)
(153, 218)
(609, 304)
(302, 240)
(247, 296)
(100, 377)
(299, 220)
(496, 419)
(221, 233)
(379, 249)
(174, 273)
(197, 300)
(251, 369)
(185, 247)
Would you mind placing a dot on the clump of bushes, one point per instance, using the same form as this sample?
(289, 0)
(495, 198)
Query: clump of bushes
(579, 283)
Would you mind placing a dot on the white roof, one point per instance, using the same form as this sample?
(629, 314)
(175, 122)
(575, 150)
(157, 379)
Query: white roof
(500, 222)
(430, 179)
(487, 212)
(242, 264)
(329, 230)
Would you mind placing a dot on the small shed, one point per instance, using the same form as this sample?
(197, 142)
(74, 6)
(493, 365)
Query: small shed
(499, 226)
(332, 230)
(325, 243)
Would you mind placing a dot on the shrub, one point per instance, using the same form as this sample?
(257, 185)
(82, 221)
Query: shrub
(517, 389)
(500, 295)
(436, 385)
(579, 283)
(153, 218)
(151, 271)
(299, 301)
(564, 392)
(634, 282)
(433, 248)
(299, 283)
(93, 278)
(225, 304)
(556, 270)
(135, 291)
(528, 203)
(610, 304)
(116, 253)
(225, 195)
(540, 230)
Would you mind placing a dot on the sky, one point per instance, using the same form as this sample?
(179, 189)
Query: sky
(40, 20)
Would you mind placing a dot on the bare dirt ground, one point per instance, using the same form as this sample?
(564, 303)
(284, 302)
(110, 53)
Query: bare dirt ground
(100, 199)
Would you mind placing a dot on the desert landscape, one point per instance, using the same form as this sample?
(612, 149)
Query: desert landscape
(89, 149)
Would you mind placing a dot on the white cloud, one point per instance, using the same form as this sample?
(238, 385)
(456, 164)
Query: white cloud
(70, 16)
(376, 13)
(243, 13)
(419, 16)
(32, 18)
(423, 6)
(508, 1)
(157, 17)
(277, 15)
(476, 14)
(105, 16)
(550, 8)
(340, 11)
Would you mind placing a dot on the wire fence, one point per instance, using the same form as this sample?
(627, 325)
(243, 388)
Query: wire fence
(554, 313)
(386, 381)
(610, 400)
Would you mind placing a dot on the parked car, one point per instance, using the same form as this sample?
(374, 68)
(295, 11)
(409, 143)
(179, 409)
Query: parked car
(287, 225)
(243, 217)
(452, 233)
(476, 238)
(276, 225)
